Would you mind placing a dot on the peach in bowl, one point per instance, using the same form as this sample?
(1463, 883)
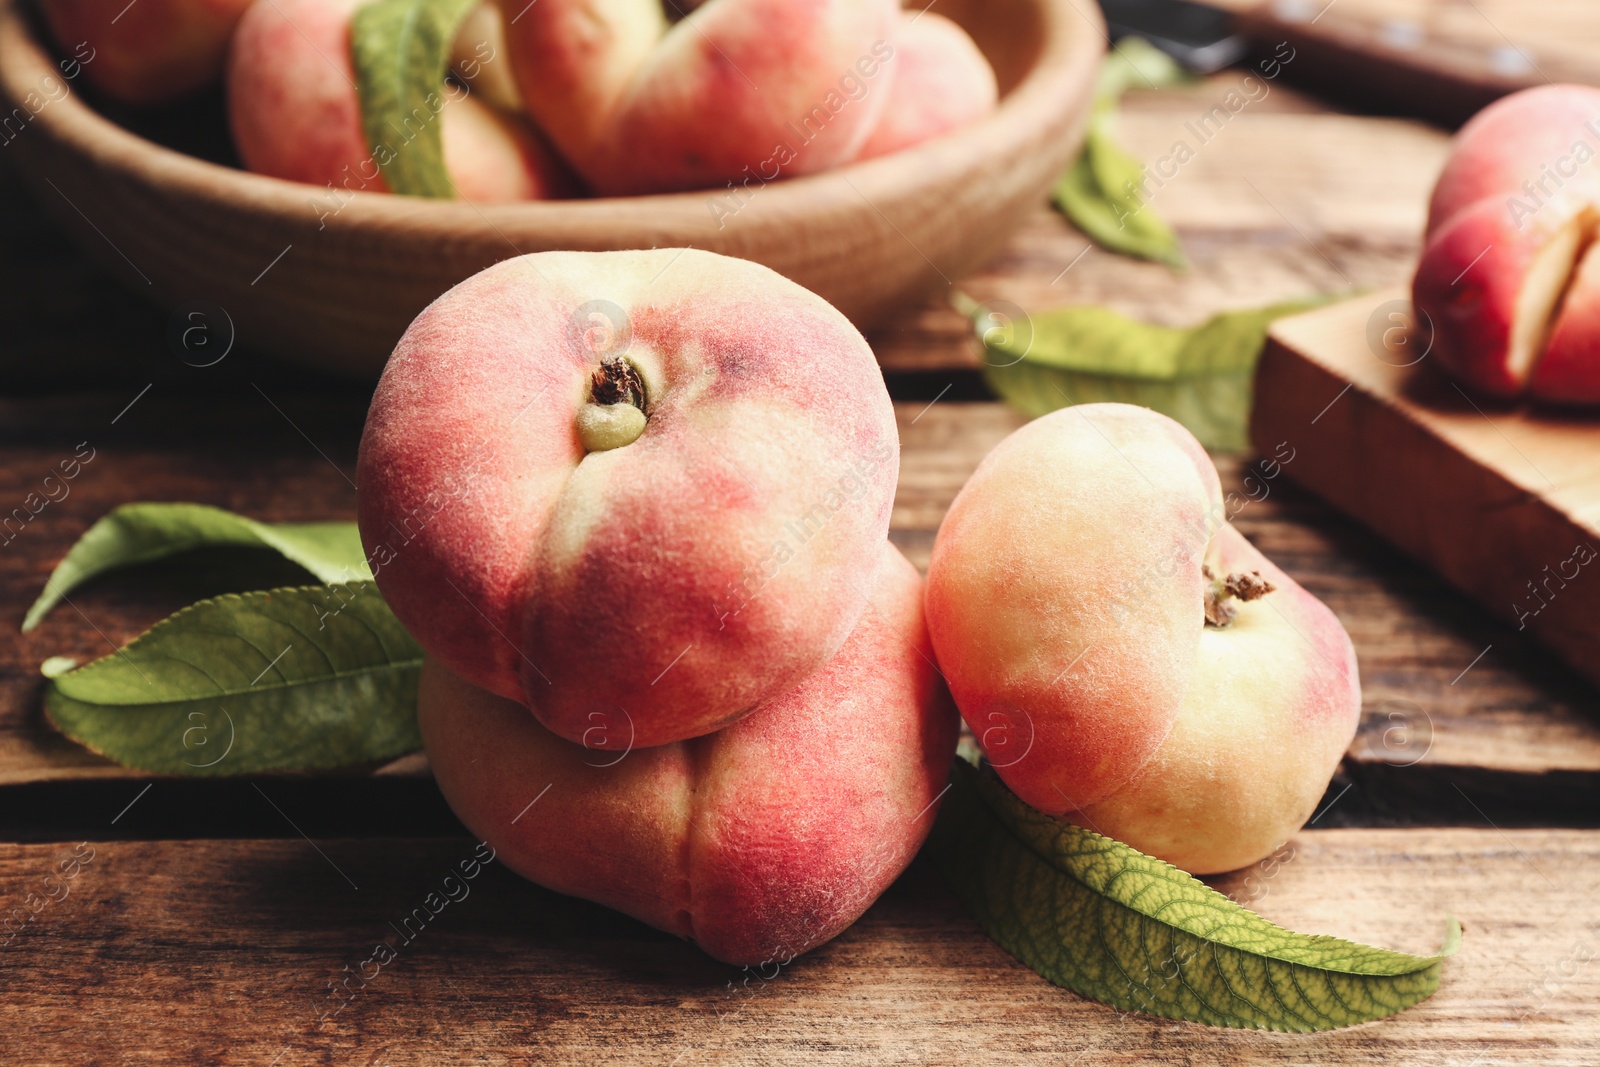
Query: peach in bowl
(634, 131)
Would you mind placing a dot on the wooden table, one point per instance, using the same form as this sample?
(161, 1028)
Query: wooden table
(216, 918)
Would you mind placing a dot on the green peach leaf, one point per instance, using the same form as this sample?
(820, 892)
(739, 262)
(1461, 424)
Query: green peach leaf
(1202, 376)
(1102, 192)
(1100, 195)
(142, 533)
(401, 50)
(1105, 920)
(294, 679)
(1112, 168)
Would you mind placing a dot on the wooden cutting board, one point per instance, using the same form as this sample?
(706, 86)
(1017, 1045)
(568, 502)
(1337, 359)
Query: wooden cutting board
(1503, 501)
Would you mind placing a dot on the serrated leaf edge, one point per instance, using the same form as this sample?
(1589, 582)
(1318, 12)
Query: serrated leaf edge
(985, 786)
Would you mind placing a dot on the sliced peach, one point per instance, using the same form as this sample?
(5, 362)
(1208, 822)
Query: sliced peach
(1490, 289)
(1523, 151)
(1569, 371)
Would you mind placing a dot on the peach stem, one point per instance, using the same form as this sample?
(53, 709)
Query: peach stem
(617, 382)
(1238, 585)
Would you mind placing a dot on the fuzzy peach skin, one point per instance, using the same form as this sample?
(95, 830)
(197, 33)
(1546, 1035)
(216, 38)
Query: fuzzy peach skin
(295, 113)
(1490, 290)
(757, 842)
(1062, 593)
(1066, 600)
(942, 82)
(1271, 707)
(640, 105)
(149, 52)
(1522, 146)
(659, 589)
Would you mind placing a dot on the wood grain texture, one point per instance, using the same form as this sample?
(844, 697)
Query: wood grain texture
(212, 952)
(1572, 25)
(1438, 59)
(269, 456)
(333, 279)
(1288, 199)
(1503, 501)
(1276, 200)
(286, 457)
(217, 952)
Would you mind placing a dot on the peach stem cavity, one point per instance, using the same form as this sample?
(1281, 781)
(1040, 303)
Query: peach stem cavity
(615, 414)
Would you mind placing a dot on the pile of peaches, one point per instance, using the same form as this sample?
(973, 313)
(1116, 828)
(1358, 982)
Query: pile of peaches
(635, 508)
(556, 98)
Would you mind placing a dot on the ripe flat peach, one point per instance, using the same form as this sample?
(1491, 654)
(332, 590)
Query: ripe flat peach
(150, 52)
(737, 92)
(757, 842)
(1125, 658)
(941, 83)
(663, 572)
(295, 113)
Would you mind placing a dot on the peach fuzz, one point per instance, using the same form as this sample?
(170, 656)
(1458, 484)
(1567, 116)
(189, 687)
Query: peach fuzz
(638, 492)
(295, 113)
(637, 105)
(757, 842)
(1271, 707)
(1068, 601)
(941, 83)
(150, 52)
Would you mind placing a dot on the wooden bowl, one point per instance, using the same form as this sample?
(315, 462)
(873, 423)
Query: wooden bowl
(337, 291)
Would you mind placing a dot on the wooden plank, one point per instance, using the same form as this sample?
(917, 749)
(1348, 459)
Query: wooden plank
(225, 952)
(1276, 200)
(1513, 713)
(1437, 59)
(1283, 199)
(1571, 26)
(238, 451)
(1504, 502)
